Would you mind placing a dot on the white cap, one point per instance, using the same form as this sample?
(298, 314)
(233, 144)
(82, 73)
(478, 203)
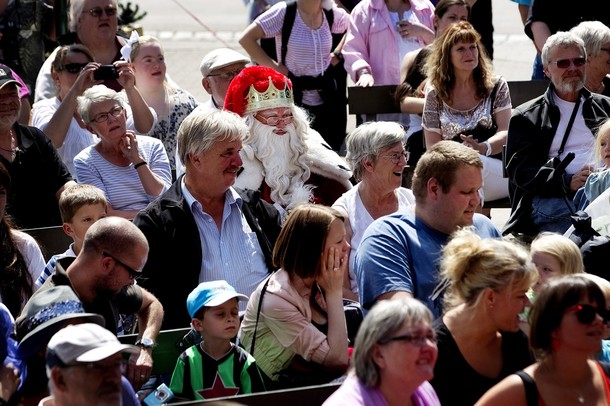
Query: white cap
(219, 58)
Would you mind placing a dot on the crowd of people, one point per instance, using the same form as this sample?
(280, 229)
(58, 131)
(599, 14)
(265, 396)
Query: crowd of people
(280, 224)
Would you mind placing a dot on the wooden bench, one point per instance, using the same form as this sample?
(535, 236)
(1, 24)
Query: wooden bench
(52, 240)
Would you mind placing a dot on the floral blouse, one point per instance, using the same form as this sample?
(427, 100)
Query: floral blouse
(441, 118)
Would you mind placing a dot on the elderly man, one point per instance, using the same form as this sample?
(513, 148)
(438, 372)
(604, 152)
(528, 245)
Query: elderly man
(84, 363)
(218, 68)
(561, 121)
(282, 156)
(202, 229)
(400, 253)
(38, 175)
(102, 275)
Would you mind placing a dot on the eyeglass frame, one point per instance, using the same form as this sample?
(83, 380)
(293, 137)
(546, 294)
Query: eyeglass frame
(224, 75)
(415, 339)
(395, 156)
(133, 274)
(577, 62)
(581, 309)
(107, 114)
(64, 67)
(97, 14)
(266, 120)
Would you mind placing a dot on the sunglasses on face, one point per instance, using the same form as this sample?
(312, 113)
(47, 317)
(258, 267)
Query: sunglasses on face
(98, 11)
(585, 314)
(565, 63)
(73, 67)
(133, 274)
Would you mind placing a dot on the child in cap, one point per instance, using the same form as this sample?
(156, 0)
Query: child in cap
(216, 367)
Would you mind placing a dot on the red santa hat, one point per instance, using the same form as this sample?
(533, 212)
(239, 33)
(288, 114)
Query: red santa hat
(258, 88)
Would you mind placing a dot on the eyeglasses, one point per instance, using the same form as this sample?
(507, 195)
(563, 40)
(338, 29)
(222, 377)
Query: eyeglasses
(73, 67)
(395, 157)
(115, 112)
(227, 75)
(586, 314)
(565, 63)
(605, 50)
(98, 11)
(274, 120)
(100, 368)
(414, 339)
(133, 274)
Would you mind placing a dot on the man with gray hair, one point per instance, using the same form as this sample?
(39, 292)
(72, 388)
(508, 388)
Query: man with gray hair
(561, 121)
(211, 229)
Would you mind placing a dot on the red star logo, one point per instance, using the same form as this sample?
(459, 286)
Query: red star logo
(218, 389)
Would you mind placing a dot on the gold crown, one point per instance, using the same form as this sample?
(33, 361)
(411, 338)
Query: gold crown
(271, 98)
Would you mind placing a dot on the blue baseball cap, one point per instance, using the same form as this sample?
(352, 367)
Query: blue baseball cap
(210, 294)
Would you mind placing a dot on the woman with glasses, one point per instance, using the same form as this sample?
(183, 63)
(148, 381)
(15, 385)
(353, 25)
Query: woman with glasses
(596, 36)
(171, 103)
(569, 320)
(131, 170)
(393, 358)
(479, 340)
(377, 157)
(466, 103)
(72, 71)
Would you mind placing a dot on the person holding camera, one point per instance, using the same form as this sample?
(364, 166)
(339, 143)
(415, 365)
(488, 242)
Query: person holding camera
(560, 122)
(73, 71)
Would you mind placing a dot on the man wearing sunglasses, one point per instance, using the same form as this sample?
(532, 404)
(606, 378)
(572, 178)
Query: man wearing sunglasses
(563, 120)
(103, 277)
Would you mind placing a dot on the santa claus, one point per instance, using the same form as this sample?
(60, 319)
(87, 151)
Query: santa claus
(282, 156)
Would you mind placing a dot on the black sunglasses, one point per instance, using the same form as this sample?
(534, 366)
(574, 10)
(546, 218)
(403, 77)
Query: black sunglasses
(133, 274)
(565, 63)
(586, 314)
(98, 11)
(73, 67)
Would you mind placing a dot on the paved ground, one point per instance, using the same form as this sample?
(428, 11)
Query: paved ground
(188, 29)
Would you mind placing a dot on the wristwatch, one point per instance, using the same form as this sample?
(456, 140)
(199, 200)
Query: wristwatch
(145, 342)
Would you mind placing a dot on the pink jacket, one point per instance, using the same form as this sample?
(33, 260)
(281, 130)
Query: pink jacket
(372, 39)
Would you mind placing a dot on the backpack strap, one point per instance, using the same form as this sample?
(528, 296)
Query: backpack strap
(531, 390)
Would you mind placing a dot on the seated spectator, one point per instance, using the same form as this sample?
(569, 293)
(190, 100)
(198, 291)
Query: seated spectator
(73, 70)
(37, 172)
(479, 340)
(218, 68)
(376, 155)
(399, 253)
(20, 257)
(84, 366)
(24, 95)
(297, 313)
(171, 103)
(561, 121)
(218, 232)
(466, 103)
(12, 367)
(216, 367)
(393, 358)
(596, 37)
(131, 170)
(599, 181)
(568, 323)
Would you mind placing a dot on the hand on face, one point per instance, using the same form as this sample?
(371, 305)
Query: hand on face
(129, 146)
(334, 264)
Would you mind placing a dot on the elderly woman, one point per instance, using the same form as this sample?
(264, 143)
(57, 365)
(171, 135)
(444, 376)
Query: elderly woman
(131, 170)
(72, 71)
(393, 358)
(466, 103)
(479, 340)
(568, 323)
(596, 36)
(376, 154)
(297, 313)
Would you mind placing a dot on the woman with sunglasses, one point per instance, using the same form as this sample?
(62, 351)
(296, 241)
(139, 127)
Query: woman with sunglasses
(568, 322)
(131, 169)
(72, 71)
(377, 157)
(479, 340)
(466, 103)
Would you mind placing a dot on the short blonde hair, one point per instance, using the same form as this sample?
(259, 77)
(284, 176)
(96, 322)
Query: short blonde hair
(562, 248)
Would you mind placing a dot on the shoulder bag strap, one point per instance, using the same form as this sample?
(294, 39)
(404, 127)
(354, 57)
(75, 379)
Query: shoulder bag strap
(291, 13)
(258, 313)
(569, 127)
(531, 390)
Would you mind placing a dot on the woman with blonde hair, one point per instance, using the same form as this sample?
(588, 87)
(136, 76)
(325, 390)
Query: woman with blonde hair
(466, 103)
(479, 340)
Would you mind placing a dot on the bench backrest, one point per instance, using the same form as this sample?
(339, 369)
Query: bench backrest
(52, 240)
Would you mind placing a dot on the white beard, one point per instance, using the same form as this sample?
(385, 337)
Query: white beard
(282, 157)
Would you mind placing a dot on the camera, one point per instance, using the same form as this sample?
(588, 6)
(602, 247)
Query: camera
(159, 396)
(105, 72)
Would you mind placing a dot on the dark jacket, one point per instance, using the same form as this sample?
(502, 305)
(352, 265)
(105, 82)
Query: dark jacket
(531, 131)
(175, 257)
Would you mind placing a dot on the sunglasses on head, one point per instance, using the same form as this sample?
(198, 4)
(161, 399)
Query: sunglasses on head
(73, 67)
(586, 314)
(565, 63)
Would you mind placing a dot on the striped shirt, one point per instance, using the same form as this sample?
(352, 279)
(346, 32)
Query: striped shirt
(232, 253)
(121, 184)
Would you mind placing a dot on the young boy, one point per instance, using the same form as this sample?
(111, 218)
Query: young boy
(80, 206)
(216, 367)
